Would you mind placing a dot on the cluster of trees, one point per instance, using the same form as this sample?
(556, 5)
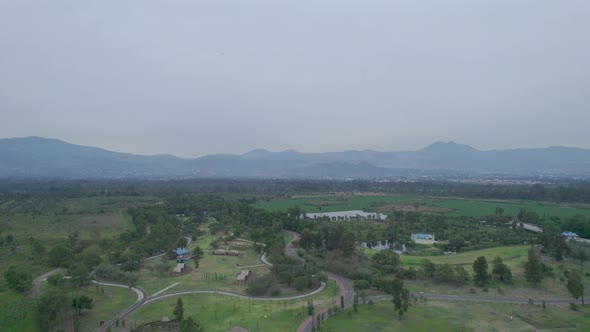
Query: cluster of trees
(563, 191)
(329, 237)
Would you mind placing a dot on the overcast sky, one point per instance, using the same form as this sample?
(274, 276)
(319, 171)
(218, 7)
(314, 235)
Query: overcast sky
(192, 77)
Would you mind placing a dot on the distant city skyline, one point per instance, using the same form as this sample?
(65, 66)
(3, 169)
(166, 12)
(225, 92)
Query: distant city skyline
(203, 77)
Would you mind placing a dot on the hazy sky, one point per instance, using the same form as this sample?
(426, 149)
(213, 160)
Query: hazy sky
(192, 77)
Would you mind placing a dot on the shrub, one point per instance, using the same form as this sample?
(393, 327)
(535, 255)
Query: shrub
(472, 290)
(275, 292)
(573, 306)
(531, 302)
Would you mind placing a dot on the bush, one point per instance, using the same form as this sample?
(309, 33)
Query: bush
(485, 289)
(573, 306)
(258, 286)
(275, 292)
(371, 302)
(531, 302)
(472, 290)
(500, 291)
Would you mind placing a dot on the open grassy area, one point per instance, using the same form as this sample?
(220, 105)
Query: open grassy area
(460, 316)
(454, 206)
(513, 256)
(15, 312)
(106, 305)
(228, 266)
(220, 313)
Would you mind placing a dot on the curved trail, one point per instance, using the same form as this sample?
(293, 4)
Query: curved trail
(345, 285)
(143, 298)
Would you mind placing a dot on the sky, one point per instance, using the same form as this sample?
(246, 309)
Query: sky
(194, 77)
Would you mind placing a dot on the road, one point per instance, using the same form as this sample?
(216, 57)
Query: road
(345, 285)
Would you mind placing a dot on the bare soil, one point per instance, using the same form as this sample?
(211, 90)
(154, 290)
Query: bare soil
(412, 208)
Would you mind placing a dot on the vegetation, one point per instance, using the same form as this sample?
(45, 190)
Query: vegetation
(88, 232)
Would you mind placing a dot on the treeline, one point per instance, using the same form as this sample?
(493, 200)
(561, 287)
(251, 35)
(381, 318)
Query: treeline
(564, 191)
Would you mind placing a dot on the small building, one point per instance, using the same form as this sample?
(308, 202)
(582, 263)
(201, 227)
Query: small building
(570, 235)
(179, 269)
(182, 254)
(243, 276)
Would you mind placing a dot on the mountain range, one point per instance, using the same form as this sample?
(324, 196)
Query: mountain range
(37, 157)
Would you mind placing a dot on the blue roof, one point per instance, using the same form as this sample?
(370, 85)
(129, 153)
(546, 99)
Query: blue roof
(569, 234)
(181, 251)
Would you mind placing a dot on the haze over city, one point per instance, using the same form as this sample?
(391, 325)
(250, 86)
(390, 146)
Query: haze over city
(197, 77)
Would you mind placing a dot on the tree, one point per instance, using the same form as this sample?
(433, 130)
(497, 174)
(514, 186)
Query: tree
(480, 269)
(444, 273)
(189, 325)
(460, 275)
(401, 297)
(501, 270)
(575, 285)
(60, 255)
(533, 271)
(387, 257)
(49, 308)
(197, 255)
(428, 267)
(178, 310)
(18, 280)
(83, 302)
(305, 239)
(582, 256)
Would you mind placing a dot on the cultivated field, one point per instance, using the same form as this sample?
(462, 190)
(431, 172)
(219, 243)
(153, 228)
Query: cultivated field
(453, 206)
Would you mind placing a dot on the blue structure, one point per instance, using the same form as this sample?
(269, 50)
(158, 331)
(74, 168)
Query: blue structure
(422, 236)
(182, 254)
(570, 235)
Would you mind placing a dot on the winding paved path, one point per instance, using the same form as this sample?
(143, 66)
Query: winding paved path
(345, 285)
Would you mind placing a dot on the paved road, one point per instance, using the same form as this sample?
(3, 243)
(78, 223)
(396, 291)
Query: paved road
(36, 290)
(141, 298)
(346, 288)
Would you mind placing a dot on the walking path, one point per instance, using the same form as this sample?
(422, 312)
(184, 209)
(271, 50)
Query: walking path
(165, 289)
(345, 285)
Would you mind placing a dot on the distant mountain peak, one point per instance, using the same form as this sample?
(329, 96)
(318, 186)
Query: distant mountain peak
(447, 147)
(256, 153)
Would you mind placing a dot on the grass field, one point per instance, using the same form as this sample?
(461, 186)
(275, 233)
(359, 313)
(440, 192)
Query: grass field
(455, 206)
(229, 266)
(460, 316)
(106, 305)
(220, 313)
(513, 256)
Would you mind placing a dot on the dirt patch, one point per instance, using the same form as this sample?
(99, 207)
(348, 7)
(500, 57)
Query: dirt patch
(325, 203)
(412, 208)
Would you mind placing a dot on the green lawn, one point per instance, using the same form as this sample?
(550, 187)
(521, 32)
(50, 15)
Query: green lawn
(220, 313)
(16, 312)
(229, 266)
(106, 305)
(455, 206)
(458, 316)
(513, 256)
